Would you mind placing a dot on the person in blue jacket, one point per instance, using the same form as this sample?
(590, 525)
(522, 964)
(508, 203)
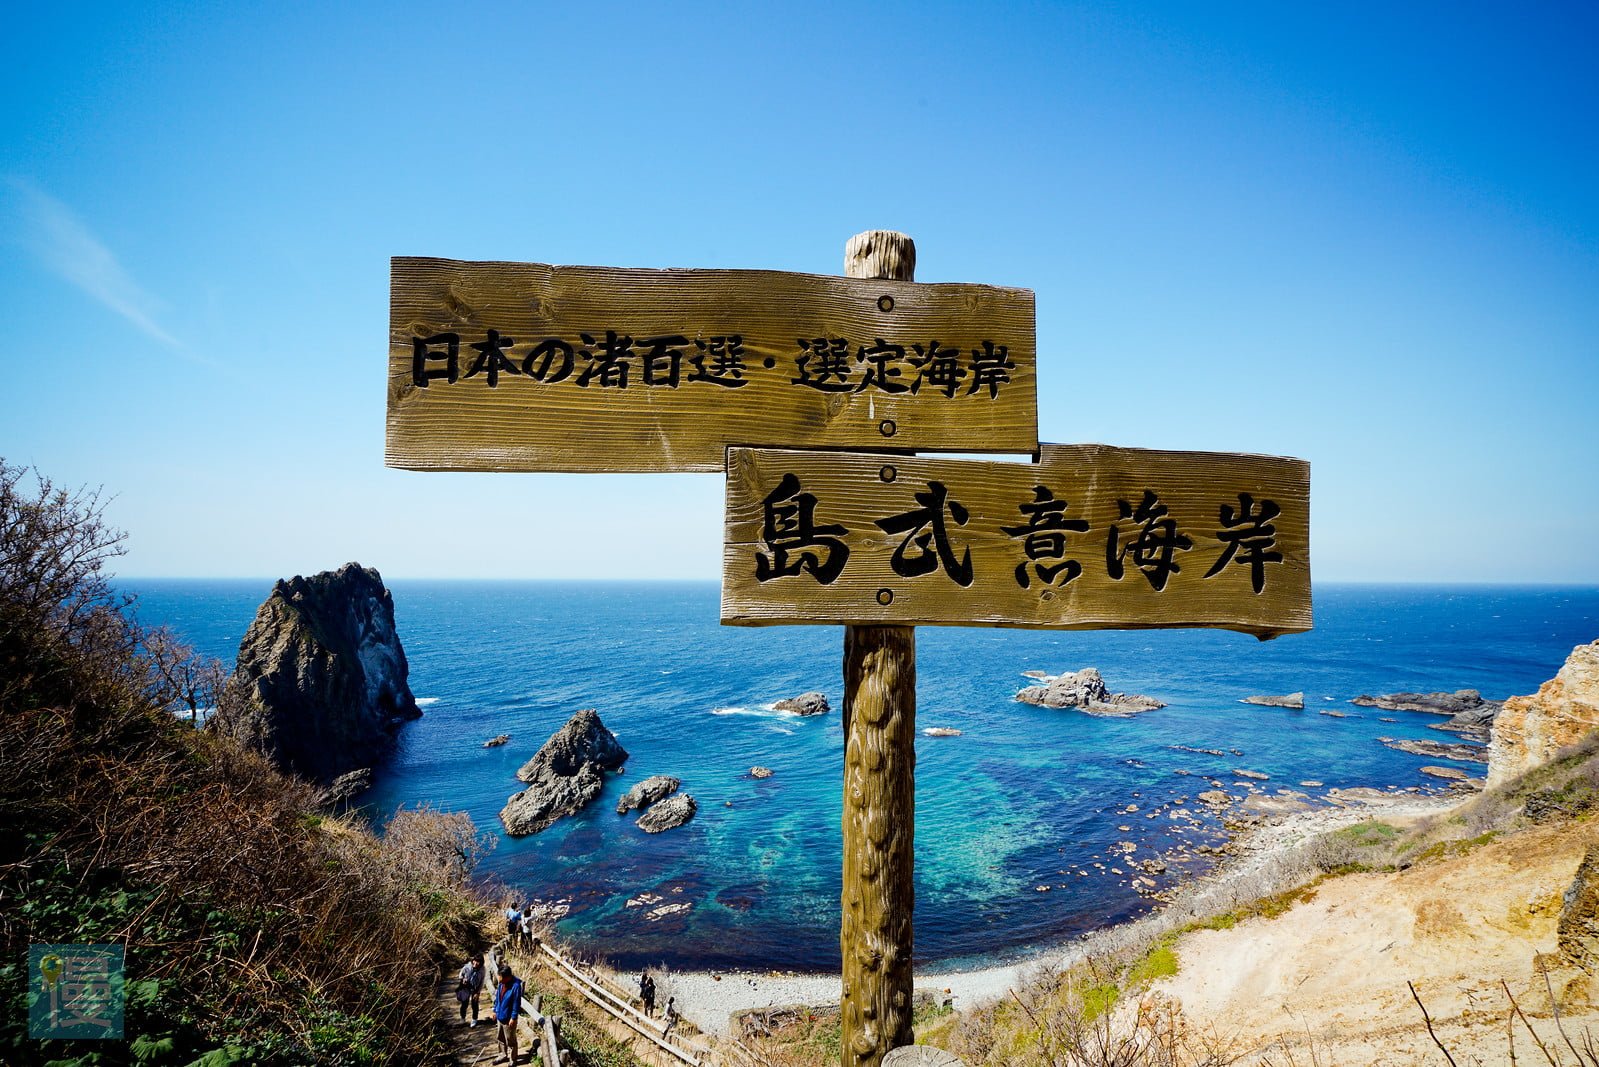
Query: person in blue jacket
(507, 1008)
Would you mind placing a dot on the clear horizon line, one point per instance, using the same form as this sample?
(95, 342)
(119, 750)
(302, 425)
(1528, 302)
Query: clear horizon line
(1416, 582)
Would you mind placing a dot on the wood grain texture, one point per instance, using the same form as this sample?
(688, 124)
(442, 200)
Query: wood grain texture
(879, 896)
(855, 491)
(876, 933)
(533, 422)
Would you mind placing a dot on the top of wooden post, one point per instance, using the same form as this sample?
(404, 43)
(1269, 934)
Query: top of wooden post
(881, 254)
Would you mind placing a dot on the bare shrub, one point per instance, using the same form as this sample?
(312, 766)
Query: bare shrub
(438, 849)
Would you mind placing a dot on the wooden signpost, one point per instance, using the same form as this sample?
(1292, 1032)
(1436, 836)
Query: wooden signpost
(770, 376)
(528, 367)
(1087, 538)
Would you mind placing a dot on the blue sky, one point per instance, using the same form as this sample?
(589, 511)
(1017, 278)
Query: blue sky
(1363, 236)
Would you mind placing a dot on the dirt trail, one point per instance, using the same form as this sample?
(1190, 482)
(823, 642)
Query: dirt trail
(1331, 972)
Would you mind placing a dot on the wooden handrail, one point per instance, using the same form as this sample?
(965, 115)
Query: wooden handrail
(550, 1053)
(620, 1009)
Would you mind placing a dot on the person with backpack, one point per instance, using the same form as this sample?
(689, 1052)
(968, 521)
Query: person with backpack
(507, 1009)
(470, 989)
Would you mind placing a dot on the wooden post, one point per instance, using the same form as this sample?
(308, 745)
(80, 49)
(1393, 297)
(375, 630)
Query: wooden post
(879, 894)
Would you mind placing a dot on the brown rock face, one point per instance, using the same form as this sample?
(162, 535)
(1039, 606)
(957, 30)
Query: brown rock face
(1531, 729)
(321, 683)
(1579, 918)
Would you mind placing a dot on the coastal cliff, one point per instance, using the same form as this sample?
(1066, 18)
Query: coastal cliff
(322, 680)
(1531, 729)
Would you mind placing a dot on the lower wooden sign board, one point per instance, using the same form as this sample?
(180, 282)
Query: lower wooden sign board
(532, 367)
(1089, 537)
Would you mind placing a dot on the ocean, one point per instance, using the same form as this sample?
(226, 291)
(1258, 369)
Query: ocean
(1025, 797)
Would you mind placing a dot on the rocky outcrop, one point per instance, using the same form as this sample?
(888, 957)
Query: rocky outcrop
(941, 731)
(321, 684)
(566, 773)
(1292, 700)
(1531, 729)
(668, 814)
(1468, 712)
(497, 740)
(805, 704)
(338, 794)
(1578, 928)
(1085, 690)
(1438, 749)
(760, 772)
(647, 792)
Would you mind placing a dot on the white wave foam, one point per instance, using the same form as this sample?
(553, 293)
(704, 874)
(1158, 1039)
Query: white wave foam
(423, 702)
(781, 730)
(760, 711)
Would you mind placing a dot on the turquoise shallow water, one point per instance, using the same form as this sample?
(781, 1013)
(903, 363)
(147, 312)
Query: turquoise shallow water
(1021, 799)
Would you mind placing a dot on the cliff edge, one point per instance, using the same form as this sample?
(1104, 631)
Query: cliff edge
(1531, 729)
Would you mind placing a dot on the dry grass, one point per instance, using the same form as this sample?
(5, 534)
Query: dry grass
(255, 929)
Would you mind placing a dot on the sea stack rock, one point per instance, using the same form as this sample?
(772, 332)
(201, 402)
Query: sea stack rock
(564, 775)
(805, 704)
(647, 792)
(668, 814)
(321, 684)
(1086, 691)
(1531, 729)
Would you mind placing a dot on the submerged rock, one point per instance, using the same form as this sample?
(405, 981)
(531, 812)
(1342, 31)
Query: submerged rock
(647, 792)
(668, 814)
(1292, 700)
(321, 684)
(812, 703)
(564, 775)
(1085, 690)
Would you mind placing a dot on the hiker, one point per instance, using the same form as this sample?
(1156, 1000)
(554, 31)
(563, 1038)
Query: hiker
(507, 1007)
(471, 986)
(527, 926)
(647, 994)
(671, 1014)
(513, 924)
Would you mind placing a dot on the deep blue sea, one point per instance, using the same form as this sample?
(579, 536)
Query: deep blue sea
(1025, 797)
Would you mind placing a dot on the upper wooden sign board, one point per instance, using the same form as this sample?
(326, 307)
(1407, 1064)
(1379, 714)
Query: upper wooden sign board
(530, 367)
(1090, 537)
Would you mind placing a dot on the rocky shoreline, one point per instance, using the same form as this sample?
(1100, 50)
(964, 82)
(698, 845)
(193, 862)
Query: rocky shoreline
(711, 998)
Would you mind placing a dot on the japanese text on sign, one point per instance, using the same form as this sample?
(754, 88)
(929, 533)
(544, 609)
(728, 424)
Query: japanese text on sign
(612, 360)
(526, 366)
(1089, 533)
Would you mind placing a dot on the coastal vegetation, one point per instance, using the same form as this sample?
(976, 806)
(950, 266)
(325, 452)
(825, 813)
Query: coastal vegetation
(257, 927)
